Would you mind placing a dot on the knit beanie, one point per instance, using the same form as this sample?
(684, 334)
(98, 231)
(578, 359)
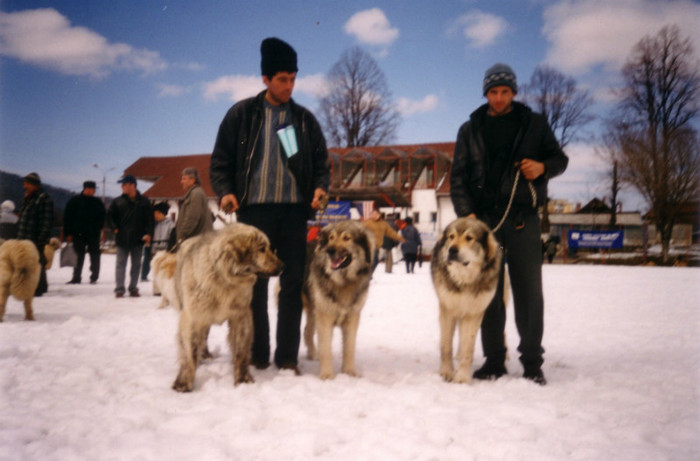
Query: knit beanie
(500, 74)
(277, 56)
(33, 178)
(89, 185)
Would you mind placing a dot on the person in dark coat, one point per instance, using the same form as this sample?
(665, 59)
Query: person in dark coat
(35, 221)
(270, 166)
(83, 220)
(410, 246)
(504, 157)
(130, 217)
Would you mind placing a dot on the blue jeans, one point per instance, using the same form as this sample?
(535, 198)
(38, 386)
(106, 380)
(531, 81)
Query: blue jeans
(122, 255)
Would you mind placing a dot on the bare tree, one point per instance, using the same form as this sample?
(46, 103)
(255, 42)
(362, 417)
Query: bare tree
(653, 138)
(608, 151)
(563, 104)
(558, 98)
(358, 109)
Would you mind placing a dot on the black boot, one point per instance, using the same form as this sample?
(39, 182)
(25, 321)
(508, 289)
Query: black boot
(491, 370)
(535, 375)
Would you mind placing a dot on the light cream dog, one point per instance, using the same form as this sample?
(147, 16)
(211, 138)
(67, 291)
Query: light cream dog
(336, 288)
(19, 274)
(465, 267)
(163, 265)
(214, 282)
(50, 251)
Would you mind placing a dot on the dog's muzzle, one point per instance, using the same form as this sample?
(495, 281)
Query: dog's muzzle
(453, 256)
(340, 259)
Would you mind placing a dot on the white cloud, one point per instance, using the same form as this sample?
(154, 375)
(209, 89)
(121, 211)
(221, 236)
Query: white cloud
(409, 107)
(313, 85)
(238, 87)
(371, 27)
(590, 33)
(481, 29)
(234, 87)
(45, 38)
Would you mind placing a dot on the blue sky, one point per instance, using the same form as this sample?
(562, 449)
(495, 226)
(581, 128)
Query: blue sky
(98, 82)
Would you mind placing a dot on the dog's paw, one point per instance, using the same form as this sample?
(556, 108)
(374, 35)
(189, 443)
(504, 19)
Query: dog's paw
(183, 385)
(325, 375)
(462, 376)
(247, 378)
(351, 372)
(28, 318)
(447, 372)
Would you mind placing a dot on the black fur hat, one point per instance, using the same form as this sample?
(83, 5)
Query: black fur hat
(277, 56)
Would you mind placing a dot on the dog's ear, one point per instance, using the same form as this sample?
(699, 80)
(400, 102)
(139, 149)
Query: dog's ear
(492, 249)
(240, 249)
(322, 237)
(364, 242)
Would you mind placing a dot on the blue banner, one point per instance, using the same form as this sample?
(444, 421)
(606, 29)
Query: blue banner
(335, 211)
(595, 239)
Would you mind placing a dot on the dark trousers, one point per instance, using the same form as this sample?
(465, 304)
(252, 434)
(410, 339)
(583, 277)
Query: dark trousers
(92, 246)
(523, 254)
(285, 226)
(410, 259)
(146, 264)
(43, 285)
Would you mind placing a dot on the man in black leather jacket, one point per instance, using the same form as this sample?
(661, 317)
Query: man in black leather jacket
(130, 217)
(270, 166)
(504, 156)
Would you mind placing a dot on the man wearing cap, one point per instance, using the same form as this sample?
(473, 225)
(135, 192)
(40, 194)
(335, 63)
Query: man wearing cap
(270, 166)
(83, 219)
(504, 156)
(130, 217)
(35, 221)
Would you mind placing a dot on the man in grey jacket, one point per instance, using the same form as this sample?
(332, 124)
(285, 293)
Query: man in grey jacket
(504, 156)
(194, 217)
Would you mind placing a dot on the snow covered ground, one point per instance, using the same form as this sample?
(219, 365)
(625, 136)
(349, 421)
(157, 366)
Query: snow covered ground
(90, 380)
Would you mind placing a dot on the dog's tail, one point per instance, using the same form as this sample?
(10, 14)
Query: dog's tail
(26, 270)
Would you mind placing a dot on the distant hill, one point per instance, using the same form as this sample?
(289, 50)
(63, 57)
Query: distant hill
(11, 189)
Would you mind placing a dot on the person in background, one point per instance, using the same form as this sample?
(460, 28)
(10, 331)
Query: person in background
(35, 221)
(410, 246)
(270, 166)
(194, 217)
(8, 220)
(504, 157)
(380, 229)
(83, 220)
(162, 238)
(130, 217)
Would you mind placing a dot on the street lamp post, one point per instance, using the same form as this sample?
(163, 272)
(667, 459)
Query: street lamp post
(104, 178)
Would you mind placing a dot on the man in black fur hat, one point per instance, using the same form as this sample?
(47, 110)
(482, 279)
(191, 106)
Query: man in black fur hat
(270, 166)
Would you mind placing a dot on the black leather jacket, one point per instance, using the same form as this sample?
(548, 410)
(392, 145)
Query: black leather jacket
(133, 219)
(232, 160)
(535, 140)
